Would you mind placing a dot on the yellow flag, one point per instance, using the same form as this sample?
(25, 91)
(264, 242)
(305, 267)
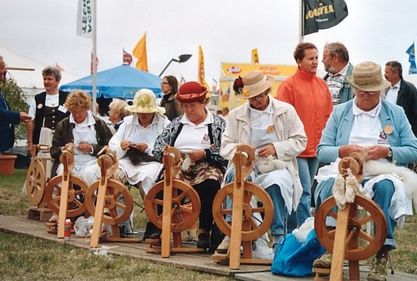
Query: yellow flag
(201, 74)
(255, 57)
(140, 53)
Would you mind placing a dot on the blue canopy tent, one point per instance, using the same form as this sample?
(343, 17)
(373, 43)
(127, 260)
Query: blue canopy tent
(119, 82)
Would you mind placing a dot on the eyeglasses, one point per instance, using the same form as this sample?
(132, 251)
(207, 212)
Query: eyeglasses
(371, 93)
(259, 97)
(164, 83)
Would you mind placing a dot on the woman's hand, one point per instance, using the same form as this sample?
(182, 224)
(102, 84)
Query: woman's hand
(267, 150)
(125, 144)
(346, 150)
(85, 147)
(197, 155)
(376, 152)
(141, 146)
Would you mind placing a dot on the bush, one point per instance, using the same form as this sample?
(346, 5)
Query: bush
(15, 98)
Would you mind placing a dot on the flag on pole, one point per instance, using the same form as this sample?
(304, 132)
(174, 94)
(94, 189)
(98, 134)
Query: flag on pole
(58, 67)
(412, 59)
(323, 14)
(127, 58)
(85, 18)
(140, 53)
(93, 64)
(255, 56)
(201, 74)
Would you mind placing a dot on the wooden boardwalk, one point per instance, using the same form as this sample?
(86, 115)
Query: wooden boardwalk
(199, 262)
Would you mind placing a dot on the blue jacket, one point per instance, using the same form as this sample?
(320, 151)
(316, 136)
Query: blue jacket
(7, 121)
(337, 131)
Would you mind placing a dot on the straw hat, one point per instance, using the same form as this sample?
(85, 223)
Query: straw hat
(367, 76)
(191, 92)
(145, 102)
(255, 83)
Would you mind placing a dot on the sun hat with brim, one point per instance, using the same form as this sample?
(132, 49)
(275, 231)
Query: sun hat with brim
(367, 76)
(255, 83)
(191, 92)
(145, 102)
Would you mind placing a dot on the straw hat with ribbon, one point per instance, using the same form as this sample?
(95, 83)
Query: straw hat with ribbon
(255, 83)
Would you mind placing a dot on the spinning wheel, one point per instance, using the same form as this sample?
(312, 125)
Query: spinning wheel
(367, 244)
(243, 228)
(349, 240)
(180, 206)
(254, 229)
(35, 181)
(185, 206)
(76, 191)
(117, 199)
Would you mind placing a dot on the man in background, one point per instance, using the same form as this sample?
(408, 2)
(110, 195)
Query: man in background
(401, 92)
(338, 68)
(8, 118)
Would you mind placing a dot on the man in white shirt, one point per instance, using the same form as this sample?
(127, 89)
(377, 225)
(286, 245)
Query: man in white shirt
(336, 63)
(401, 92)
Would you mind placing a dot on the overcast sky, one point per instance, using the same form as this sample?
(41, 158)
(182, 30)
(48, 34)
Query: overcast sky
(45, 30)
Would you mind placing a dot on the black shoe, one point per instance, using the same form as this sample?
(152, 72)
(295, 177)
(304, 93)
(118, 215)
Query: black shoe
(156, 234)
(203, 240)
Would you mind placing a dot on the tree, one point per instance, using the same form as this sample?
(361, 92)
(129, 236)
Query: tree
(15, 98)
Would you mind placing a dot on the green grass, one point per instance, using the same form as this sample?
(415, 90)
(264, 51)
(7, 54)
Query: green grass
(21, 256)
(24, 257)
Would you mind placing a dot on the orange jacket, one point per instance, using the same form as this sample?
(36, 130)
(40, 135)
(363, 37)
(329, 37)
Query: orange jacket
(311, 98)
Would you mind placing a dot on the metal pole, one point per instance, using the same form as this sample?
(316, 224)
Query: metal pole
(94, 74)
(301, 17)
(163, 70)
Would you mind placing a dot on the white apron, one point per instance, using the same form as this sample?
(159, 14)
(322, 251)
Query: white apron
(281, 177)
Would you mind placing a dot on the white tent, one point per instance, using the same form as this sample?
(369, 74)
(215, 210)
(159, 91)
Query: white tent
(29, 80)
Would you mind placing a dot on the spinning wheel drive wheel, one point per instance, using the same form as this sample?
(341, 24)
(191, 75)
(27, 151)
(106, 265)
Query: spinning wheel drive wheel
(35, 182)
(256, 229)
(118, 200)
(368, 244)
(77, 188)
(185, 204)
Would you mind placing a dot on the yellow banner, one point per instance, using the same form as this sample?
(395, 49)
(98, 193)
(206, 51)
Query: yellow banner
(255, 56)
(230, 71)
(140, 53)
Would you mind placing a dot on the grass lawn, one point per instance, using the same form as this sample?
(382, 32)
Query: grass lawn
(27, 258)
(23, 257)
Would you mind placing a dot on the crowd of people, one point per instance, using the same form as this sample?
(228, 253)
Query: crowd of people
(309, 124)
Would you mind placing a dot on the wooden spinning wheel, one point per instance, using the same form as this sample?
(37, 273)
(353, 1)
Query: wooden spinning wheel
(368, 244)
(253, 228)
(185, 205)
(243, 228)
(35, 181)
(350, 240)
(118, 201)
(180, 206)
(76, 191)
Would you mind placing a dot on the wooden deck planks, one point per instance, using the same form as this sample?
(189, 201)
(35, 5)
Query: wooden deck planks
(199, 262)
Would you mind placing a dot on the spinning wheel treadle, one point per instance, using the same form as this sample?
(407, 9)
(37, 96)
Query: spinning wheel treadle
(77, 188)
(367, 245)
(251, 190)
(118, 200)
(35, 181)
(186, 205)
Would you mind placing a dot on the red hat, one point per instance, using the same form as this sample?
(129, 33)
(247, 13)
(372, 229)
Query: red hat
(191, 92)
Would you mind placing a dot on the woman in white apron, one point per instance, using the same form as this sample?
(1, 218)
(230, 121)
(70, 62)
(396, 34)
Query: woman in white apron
(275, 130)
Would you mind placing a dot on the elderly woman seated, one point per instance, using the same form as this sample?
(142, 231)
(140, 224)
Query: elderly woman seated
(198, 134)
(85, 132)
(275, 130)
(381, 130)
(117, 111)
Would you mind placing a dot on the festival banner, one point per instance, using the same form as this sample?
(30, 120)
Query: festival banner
(412, 59)
(323, 14)
(140, 53)
(85, 18)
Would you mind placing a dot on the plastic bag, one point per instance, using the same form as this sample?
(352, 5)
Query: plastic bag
(293, 258)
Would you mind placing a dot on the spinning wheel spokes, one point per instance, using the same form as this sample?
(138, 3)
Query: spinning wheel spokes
(77, 188)
(35, 181)
(367, 245)
(256, 229)
(185, 204)
(118, 200)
